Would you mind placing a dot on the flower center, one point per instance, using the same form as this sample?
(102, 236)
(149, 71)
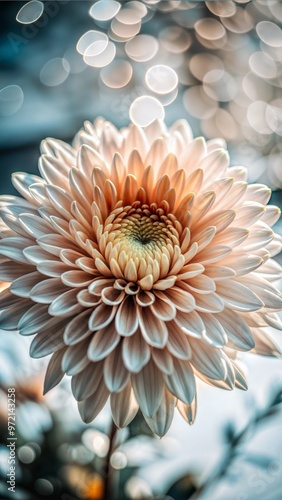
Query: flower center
(141, 240)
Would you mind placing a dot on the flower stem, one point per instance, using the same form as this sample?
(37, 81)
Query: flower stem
(108, 493)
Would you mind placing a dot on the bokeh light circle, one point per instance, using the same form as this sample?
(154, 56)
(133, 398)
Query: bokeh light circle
(161, 79)
(54, 72)
(142, 47)
(117, 74)
(145, 110)
(11, 100)
(30, 12)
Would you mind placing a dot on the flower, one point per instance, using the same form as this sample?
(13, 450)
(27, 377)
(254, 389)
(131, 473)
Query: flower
(141, 261)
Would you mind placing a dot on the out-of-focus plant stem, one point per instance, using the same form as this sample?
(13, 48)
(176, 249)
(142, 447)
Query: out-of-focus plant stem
(108, 491)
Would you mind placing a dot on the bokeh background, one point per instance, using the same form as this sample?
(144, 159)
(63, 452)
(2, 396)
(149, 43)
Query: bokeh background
(217, 64)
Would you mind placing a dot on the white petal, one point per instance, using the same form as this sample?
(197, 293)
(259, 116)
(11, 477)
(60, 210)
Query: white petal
(238, 296)
(7, 299)
(163, 284)
(88, 299)
(58, 149)
(11, 316)
(248, 214)
(55, 243)
(242, 262)
(193, 154)
(210, 302)
(112, 296)
(23, 181)
(116, 375)
(135, 352)
(35, 226)
(36, 255)
(34, 319)
(218, 273)
(47, 290)
(80, 188)
(126, 320)
(215, 164)
(191, 323)
(23, 285)
(190, 271)
(76, 278)
(61, 200)
(177, 342)
(47, 342)
(90, 407)
(163, 360)
(101, 317)
(9, 271)
(268, 293)
(77, 329)
(215, 334)
(188, 412)
(98, 285)
(52, 268)
(183, 300)
(54, 372)
(12, 221)
(260, 236)
(85, 383)
(65, 305)
(212, 254)
(153, 329)
(87, 159)
(182, 381)
(264, 345)
(200, 284)
(145, 298)
(240, 378)
(232, 236)
(163, 308)
(271, 215)
(259, 193)
(75, 358)
(54, 171)
(209, 361)
(239, 173)
(238, 332)
(161, 421)
(103, 343)
(272, 319)
(124, 406)
(13, 248)
(148, 388)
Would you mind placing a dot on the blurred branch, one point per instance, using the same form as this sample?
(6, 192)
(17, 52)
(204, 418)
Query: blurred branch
(237, 441)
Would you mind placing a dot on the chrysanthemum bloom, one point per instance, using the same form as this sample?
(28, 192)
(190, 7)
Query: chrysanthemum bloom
(141, 260)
